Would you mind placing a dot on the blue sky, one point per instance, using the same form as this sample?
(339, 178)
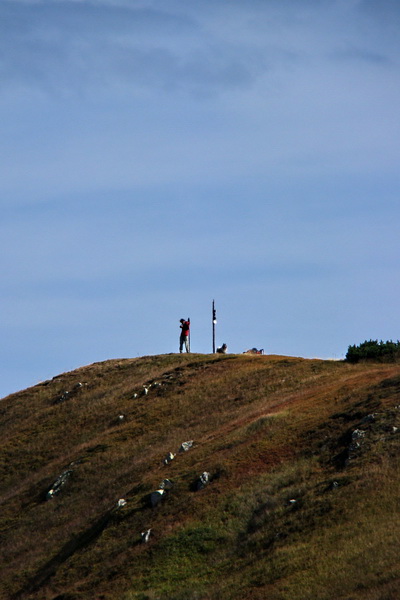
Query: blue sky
(159, 154)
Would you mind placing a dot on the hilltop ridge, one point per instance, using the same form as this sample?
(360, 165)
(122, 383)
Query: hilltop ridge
(300, 501)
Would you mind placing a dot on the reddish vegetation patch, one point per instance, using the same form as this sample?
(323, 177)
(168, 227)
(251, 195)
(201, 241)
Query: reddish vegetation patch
(258, 462)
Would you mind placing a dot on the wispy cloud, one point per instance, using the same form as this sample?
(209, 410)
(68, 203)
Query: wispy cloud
(156, 154)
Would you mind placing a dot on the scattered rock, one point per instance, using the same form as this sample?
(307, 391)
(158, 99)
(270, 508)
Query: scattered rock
(59, 484)
(203, 480)
(145, 535)
(170, 456)
(369, 418)
(357, 435)
(68, 394)
(121, 502)
(356, 442)
(156, 497)
(166, 485)
(185, 446)
(62, 398)
(119, 420)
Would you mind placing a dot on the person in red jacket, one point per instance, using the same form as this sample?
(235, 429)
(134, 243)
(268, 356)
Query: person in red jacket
(184, 337)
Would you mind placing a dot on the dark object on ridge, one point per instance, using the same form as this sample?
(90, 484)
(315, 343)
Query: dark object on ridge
(222, 349)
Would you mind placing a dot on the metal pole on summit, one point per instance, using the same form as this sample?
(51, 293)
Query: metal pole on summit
(214, 322)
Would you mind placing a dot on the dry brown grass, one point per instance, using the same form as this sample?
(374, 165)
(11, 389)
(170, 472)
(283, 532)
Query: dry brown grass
(268, 429)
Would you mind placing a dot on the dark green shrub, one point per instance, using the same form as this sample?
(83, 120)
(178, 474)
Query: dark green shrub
(373, 350)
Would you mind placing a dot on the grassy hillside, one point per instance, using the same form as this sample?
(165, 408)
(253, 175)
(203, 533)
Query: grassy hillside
(302, 499)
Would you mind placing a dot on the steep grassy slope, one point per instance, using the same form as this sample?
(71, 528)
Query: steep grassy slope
(302, 501)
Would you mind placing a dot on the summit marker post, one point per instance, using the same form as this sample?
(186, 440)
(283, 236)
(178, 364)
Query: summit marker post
(214, 322)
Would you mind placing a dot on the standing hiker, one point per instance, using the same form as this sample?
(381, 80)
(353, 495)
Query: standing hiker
(184, 337)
